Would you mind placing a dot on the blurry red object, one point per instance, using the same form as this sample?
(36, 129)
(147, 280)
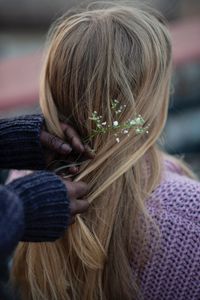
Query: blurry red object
(19, 81)
(185, 41)
(19, 77)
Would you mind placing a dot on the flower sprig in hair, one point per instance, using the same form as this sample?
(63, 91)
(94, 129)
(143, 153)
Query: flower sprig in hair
(118, 129)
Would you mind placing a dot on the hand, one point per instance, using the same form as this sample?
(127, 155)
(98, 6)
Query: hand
(76, 191)
(54, 146)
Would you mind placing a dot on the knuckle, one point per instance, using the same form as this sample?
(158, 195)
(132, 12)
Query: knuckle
(63, 147)
(67, 131)
(52, 140)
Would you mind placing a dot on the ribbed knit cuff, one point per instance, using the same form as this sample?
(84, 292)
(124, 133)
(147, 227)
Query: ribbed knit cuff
(46, 206)
(20, 143)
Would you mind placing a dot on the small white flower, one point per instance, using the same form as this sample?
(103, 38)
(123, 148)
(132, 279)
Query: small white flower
(138, 120)
(132, 122)
(117, 139)
(104, 123)
(138, 130)
(125, 131)
(115, 123)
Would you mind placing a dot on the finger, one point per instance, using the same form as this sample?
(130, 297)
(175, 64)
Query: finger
(73, 170)
(75, 141)
(72, 137)
(76, 190)
(72, 220)
(54, 143)
(89, 153)
(78, 206)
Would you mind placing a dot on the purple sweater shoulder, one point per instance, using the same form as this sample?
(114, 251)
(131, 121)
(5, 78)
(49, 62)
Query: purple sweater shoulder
(173, 271)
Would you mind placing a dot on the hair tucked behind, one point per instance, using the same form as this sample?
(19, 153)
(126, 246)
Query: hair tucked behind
(95, 56)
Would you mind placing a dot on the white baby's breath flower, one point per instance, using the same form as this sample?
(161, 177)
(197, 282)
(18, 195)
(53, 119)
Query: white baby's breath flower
(118, 111)
(136, 124)
(132, 122)
(125, 131)
(138, 120)
(115, 123)
(138, 130)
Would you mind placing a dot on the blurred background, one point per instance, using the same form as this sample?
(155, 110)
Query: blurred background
(23, 27)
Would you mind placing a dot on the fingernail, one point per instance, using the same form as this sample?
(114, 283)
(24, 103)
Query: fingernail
(74, 170)
(78, 144)
(66, 149)
(81, 147)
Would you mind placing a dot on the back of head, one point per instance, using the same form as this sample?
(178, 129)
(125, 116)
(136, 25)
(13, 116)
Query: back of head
(94, 57)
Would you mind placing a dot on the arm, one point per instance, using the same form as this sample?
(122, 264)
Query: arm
(33, 208)
(20, 143)
(25, 144)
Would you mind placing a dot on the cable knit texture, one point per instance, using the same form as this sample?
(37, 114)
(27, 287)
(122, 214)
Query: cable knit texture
(45, 204)
(173, 270)
(20, 144)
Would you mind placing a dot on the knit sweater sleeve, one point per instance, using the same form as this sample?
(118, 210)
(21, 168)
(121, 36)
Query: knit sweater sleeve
(173, 271)
(34, 208)
(11, 221)
(20, 143)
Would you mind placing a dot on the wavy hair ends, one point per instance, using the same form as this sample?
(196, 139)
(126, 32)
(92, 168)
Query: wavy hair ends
(95, 56)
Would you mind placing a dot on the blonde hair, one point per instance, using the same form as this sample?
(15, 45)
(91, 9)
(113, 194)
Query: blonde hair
(94, 56)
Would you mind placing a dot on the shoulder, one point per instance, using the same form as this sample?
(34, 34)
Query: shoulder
(173, 270)
(177, 195)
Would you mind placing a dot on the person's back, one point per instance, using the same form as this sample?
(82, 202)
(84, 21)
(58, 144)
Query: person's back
(107, 72)
(173, 270)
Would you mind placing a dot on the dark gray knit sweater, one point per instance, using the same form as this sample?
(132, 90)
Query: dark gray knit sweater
(34, 208)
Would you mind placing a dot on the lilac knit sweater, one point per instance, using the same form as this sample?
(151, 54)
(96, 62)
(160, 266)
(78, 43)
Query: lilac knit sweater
(173, 271)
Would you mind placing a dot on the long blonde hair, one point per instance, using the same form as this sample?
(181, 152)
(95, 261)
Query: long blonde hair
(95, 56)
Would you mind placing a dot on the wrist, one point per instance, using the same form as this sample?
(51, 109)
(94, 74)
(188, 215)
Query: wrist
(45, 204)
(20, 146)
